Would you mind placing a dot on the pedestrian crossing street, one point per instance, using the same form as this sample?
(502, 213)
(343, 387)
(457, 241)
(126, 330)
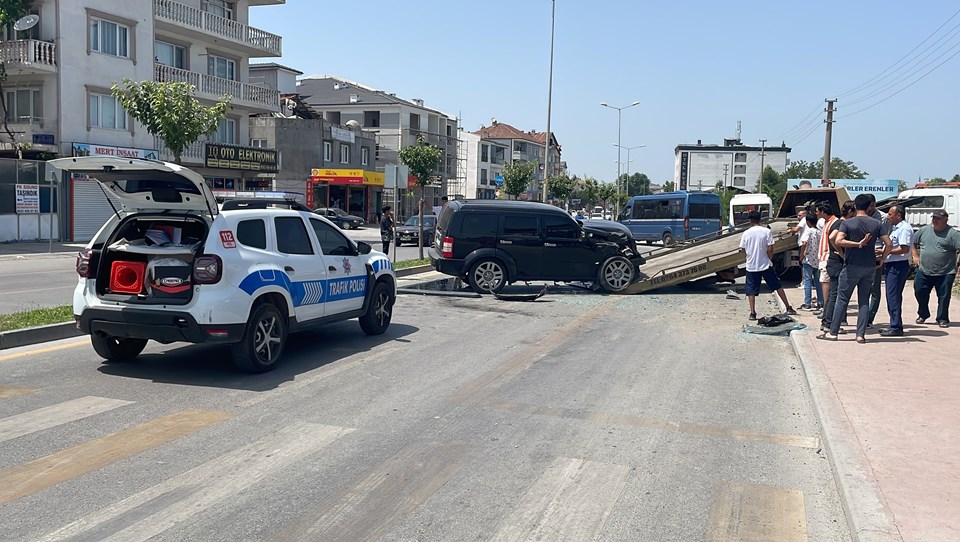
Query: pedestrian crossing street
(572, 499)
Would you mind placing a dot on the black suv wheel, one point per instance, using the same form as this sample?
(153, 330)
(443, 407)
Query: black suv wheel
(616, 273)
(487, 276)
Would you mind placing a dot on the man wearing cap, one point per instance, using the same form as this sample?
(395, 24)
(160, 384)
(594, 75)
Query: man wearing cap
(935, 248)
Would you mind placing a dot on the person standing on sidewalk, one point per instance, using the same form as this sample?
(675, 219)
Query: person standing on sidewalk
(935, 248)
(825, 219)
(386, 228)
(856, 237)
(757, 242)
(886, 228)
(834, 264)
(809, 249)
(897, 269)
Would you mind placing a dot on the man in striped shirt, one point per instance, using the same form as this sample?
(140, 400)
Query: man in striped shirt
(826, 218)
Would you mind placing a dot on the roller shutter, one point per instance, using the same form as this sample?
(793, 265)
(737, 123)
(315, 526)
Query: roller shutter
(90, 209)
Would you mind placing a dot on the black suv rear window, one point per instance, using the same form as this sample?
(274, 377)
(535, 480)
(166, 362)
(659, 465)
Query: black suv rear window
(475, 224)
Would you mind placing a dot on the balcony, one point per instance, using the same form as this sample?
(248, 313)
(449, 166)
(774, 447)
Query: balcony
(213, 88)
(28, 57)
(181, 17)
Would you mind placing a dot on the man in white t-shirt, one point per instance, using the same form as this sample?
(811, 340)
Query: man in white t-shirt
(757, 243)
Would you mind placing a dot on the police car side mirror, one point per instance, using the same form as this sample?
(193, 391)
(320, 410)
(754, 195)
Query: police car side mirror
(364, 248)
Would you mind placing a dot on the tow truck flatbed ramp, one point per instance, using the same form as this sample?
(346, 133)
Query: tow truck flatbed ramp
(701, 259)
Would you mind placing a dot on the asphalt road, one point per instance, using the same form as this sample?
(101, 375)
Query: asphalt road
(577, 417)
(33, 281)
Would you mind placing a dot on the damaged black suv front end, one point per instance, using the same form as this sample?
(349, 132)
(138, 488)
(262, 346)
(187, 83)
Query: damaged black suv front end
(615, 232)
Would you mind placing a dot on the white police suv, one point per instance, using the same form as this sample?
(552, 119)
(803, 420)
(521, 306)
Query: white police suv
(173, 265)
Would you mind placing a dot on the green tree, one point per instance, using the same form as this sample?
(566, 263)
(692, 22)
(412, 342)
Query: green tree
(606, 192)
(839, 169)
(561, 186)
(422, 159)
(774, 185)
(901, 186)
(669, 186)
(517, 177)
(956, 178)
(589, 192)
(10, 11)
(936, 181)
(638, 184)
(726, 194)
(169, 111)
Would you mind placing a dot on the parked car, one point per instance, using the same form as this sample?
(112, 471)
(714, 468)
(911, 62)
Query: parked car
(492, 243)
(171, 265)
(409, 232)
(340, 218)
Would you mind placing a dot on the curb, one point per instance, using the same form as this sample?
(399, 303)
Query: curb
(868, 518)
(33, 335)
(867, 515)
(413, 270)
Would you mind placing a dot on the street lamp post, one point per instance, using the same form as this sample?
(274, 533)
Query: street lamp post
(626, 186)
(619, 116)
(546, 156)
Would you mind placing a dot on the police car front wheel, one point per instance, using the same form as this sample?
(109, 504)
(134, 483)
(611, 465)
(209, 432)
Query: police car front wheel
(380, 311)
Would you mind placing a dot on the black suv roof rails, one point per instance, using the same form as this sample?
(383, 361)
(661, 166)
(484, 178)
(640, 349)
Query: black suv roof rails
(263, 203)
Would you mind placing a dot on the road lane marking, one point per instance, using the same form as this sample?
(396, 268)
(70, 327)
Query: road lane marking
(747, 512)
(477, 390)
(52, 416)
(372, 507)
(46, 350)
(571, 500)
(71, 287)
(154, 510)
(26, 479)
(654, 423)
(7, 392)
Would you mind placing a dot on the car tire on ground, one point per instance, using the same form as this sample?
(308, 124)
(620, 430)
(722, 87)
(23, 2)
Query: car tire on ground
(616, 273)
(487, 276)
(117, 350)
(428, 240)
(667, 239)
(347, 226)
(380, 311)
(263, 340)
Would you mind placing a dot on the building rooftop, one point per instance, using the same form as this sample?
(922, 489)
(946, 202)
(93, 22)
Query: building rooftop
(340, 91)
(267, 65)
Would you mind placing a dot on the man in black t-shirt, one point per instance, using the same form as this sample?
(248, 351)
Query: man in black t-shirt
(386, 228)
(835, 266)
(856, 237)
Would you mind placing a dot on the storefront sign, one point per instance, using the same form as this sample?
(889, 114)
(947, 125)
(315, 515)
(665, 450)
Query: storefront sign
(340, 134)
(28, 198)
(44, 139)
(346, 176)
(243, 158)
(88, 149)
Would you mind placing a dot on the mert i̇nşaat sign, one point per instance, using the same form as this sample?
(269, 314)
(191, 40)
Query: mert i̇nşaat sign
(243, 158)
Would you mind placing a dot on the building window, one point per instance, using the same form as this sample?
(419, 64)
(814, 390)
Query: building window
(221, 8)
(740, 170)
(371, 119)
(519, 146)
(109, 38)
(258, 143)
(740, 157)
(226, 132)
(739, 181)
(498, 155)
(364, 155)
(170, 55)
(106, 112)
(484, 153)
(483, 176)
(327, 151)
(414, 121)
(23, 105)
(344, 153)
(223, 68)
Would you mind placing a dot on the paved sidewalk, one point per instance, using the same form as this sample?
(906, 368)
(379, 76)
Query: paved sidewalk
(891, 418)
(41, 248)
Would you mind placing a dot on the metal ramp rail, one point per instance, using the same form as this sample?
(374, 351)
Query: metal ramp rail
(701, 259)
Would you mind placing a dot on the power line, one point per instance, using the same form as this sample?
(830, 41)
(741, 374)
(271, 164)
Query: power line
(810, 132)
(805, 120)
(854, 90)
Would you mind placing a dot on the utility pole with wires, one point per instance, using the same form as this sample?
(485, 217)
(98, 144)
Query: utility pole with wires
(825, 177)
(726, 167)
(763, 147)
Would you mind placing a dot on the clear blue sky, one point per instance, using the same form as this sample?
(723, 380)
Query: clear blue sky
(696, 68)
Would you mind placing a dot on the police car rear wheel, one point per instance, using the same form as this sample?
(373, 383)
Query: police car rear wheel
(263, 340)
(117, 350)
(380, 311)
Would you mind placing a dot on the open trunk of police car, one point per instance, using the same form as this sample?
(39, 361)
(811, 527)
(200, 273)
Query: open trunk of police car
(154, 254)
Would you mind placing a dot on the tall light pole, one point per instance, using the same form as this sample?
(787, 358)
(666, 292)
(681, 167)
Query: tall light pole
(546, 146)
(626, 186)
(619, 117)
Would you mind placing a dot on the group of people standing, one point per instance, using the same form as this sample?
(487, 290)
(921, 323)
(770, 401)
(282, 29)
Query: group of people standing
(863, 250)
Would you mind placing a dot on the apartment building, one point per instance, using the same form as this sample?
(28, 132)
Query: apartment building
(60, 72)
(485, 159)
(700, 166)
(397, 123)
(526, 146)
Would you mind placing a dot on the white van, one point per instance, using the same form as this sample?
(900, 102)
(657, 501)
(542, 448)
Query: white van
(934, 198)
(742, 204)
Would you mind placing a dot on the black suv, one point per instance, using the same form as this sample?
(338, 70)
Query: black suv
(495, 242)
